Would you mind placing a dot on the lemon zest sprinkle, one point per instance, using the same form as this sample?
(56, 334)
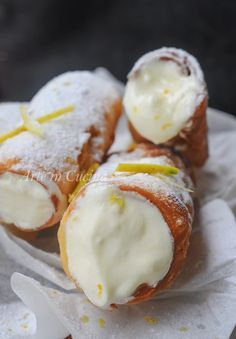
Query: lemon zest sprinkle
(56, 114)
(166, 91)
(100, 289)
(84, 180)
(85, 301)
(183, 329)
(45, 118)
(167, 125)
(25, 326)
(101, 322)
(116, 199)
(31, 125)
(150, 320)
(12, 133)
(84, 319)
(157, 116)
(136, 109)
(147, 168)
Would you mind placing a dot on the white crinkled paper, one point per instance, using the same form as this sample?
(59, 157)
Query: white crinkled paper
(202, 302)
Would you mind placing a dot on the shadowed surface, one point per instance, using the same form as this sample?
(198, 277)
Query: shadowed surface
(39, 39)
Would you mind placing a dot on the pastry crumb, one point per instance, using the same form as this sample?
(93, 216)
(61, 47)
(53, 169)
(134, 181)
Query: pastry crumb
(25, 326)
(25, 316)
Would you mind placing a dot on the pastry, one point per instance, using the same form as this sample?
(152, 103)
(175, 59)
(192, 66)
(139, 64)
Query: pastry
(69, 124)
(126, 233)
(166, 100)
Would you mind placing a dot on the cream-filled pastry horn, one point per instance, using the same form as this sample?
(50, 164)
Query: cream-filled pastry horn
(68, 125)
(126, 234)
(165, 101)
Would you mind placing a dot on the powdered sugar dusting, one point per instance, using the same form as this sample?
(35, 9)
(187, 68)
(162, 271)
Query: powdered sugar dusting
(10, 115)
(64, 137)
(174, 188)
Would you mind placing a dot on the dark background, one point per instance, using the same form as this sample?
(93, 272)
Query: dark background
(42, 38)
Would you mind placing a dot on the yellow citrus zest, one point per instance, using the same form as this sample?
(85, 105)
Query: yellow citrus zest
(31, 125)
(157, 116)
(84, 319)
(12, 133)
(116, 199)
(147, 168)
(101, 322)
(84, 180)
(136, 109)
(167, 125)
(150, 320)
(183, 329)
(56, 114)
(100, 289)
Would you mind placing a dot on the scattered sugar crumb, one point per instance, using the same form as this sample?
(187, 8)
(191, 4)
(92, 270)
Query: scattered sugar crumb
(25, 316)
(25, 326)
(85, 301)
(53, 293)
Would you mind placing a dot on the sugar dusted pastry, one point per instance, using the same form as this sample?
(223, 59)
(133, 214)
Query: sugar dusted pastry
(10, 115)
(126, 234)
(40, 164)
(166, 99)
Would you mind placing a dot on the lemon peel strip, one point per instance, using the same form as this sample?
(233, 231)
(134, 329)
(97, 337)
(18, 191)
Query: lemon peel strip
(32, 125)
(45, 118)
(56, 114)
(147, 168)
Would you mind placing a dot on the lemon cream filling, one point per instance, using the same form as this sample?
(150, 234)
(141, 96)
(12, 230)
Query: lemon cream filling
(115, 242)
(23, 202)
(160, 98)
